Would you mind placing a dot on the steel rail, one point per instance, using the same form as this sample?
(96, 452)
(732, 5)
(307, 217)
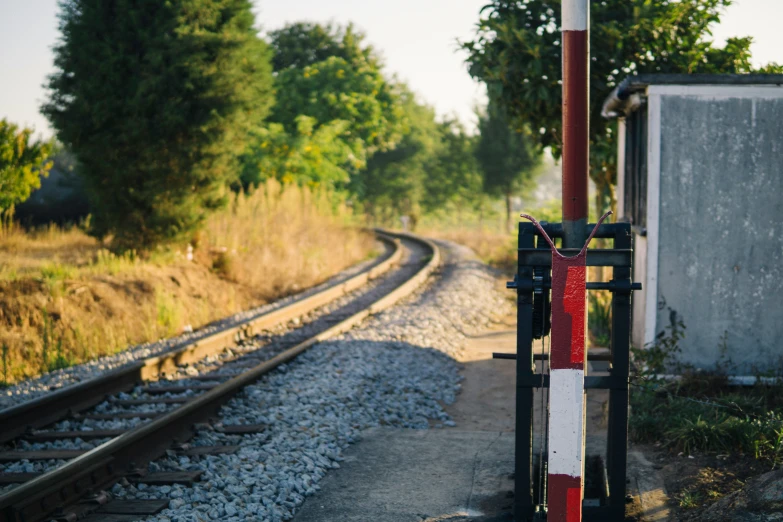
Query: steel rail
(16, 420)
(101, 467)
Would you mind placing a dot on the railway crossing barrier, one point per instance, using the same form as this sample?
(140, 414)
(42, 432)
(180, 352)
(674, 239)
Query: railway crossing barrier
(547, 299)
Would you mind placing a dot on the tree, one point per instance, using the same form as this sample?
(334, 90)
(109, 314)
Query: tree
(508, 157)
(22, 163)
(156, 100)
(327, 74)
(517, 53)
(301, 44)
(306, 157)
(454, 176)
(392, 185)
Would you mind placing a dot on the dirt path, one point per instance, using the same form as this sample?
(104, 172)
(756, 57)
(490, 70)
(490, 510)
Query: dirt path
(487, 399)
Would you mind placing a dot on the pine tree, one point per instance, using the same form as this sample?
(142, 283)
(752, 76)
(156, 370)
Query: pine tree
(156, 99)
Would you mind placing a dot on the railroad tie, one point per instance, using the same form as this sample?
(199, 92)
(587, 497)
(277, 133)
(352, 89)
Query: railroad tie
(161, 400)
(15, 456)
(155, 390)
(163, 478)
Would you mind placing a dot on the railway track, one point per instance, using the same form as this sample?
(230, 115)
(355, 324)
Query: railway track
(132, 416)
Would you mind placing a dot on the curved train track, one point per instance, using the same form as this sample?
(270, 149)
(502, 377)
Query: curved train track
(200, 377)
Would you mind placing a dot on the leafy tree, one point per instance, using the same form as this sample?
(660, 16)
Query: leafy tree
(306, 156)
(454, 177)
(301, 44)
(22, 163)
(328, 74)
(156, 100)
(337, 90)
(517, 53)
(508, 158)
(392, 185)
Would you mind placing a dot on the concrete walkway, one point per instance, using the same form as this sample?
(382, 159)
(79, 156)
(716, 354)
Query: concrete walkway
(397, 475)
(401, 475)
(454, 474)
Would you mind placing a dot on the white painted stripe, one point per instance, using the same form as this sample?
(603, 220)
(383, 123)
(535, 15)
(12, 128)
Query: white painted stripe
(566, 421)
(653, 202)
(575, 15)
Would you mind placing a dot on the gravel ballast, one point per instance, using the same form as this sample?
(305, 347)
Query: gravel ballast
(396, 369)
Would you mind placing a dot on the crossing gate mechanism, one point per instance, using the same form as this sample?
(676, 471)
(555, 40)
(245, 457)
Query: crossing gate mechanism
(557, 494)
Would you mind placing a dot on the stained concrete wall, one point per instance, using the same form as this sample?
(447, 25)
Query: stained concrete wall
(721, 228)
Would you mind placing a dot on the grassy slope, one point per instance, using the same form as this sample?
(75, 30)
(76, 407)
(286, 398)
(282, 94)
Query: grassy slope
(65, 299)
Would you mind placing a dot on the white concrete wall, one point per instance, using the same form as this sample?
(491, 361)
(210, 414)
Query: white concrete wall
(717, 241)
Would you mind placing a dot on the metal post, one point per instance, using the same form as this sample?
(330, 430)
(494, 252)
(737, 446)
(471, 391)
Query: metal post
(617, 440)
(523, 497)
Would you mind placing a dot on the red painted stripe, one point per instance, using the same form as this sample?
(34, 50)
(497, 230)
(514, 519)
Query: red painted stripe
(575, 124)
(564, 499)
(568, 313)
(574, 304)
(574, 505)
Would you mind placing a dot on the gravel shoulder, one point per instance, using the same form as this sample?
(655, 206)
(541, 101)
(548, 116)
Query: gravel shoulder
(397, 370)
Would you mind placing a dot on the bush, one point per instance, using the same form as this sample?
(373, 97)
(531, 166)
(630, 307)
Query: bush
(22, 163)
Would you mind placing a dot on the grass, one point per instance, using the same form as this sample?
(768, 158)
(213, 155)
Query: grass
(701, 412)
(689, 500)
(280, 240)
(711, 436)
(66, 299)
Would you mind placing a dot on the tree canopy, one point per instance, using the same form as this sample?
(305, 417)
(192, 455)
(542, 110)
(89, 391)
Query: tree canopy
(453, 180)
(22, 163)
(328, 74)
(306, 156)
(508, 157)
(301, 44)
(156, 99)
(517, 53)
(338, 90)
(393, 182)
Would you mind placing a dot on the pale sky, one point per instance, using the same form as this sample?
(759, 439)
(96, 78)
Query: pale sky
(417, 39)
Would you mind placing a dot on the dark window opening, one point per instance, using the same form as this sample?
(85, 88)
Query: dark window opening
(635, 190)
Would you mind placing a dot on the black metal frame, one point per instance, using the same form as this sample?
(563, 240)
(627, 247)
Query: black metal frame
(620, 258)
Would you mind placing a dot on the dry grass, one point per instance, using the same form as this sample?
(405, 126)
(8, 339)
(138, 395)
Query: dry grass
(495, 248)
(281, 240)
(498, 248)
(486, 234)
(65, 299)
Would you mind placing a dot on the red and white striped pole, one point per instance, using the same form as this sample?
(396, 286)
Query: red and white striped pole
(566, 382)
(567, 358)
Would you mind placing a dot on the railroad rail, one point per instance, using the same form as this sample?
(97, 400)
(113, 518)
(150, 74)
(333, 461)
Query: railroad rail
(76, 489)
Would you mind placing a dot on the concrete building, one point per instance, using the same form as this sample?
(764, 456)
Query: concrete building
(700, 177)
